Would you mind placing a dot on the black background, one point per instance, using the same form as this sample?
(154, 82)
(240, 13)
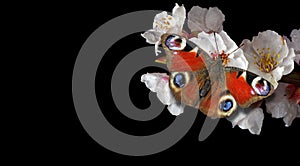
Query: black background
(66, 140)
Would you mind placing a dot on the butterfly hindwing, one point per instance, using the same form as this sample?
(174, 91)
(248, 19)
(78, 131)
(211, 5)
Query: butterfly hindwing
(246, 87)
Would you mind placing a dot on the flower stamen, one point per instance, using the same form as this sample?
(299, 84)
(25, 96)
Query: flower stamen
(265, 60)
(224, 57)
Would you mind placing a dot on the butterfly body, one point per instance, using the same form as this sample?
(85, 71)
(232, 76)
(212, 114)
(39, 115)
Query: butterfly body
(198, 80)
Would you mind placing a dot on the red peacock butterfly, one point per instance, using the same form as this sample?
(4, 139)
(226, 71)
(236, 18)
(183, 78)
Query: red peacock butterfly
(205, 83)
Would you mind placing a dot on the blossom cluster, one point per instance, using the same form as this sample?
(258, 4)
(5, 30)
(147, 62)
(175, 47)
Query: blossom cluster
(269, 55)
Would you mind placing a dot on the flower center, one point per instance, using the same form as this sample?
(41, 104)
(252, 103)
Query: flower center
(164, 23)
(224, 57)
(266, 60)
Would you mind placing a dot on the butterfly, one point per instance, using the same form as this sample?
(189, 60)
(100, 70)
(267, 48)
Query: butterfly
(198, 80)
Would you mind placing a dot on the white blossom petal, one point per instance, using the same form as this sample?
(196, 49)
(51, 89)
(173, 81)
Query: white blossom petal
(247, 47)
(207, 20)
(176, 109)
(289, 43)
(277, 103)
(196, 19)
(230, 44)
(288, 62)
(152, 36)
(291, 115)
(249, 118)
(248, 51)
(164, 93)
(269, 56)
(280, 107)
(236, 117)
(156, 46)
(236, 57)
(214, 19)
(276, 75)
(207, 42)
(179, 14)
(165, 23)
(295, 44)
(159, 83)
(253, 121)
(297, 59)
(172, 24)
(268, 39)
(152, 79)
(295, 35)
(204, 43)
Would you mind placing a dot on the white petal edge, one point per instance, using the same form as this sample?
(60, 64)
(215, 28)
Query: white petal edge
(214, 19)
(151, 36)
(238, 60)
(295, 35)
(196, 19)
(279, 106)
(249, 118)
(236, 57)
(207, 42)
(297, 59)
(268, 39)
(158, 82)
(288, 62)
(176, 109)
(253, 121)
(179, 13)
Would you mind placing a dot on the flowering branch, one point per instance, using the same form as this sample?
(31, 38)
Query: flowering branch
(268, 55)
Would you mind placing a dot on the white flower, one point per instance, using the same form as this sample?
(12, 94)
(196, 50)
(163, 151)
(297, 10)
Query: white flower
(269, 56)
(297, 59)
(159, 83)
(164, 23)
(282, 104)
(207, 20)
(249, 118)
(295, 43)
(295, 35)
(214, 44)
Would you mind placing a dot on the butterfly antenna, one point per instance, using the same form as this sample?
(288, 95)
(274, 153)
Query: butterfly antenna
(216, 42)
(236, 49)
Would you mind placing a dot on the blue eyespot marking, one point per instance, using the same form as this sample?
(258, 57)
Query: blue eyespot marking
(262, 88)
(169, 40)
(179, 80)
(226, 105)
(175, 43)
